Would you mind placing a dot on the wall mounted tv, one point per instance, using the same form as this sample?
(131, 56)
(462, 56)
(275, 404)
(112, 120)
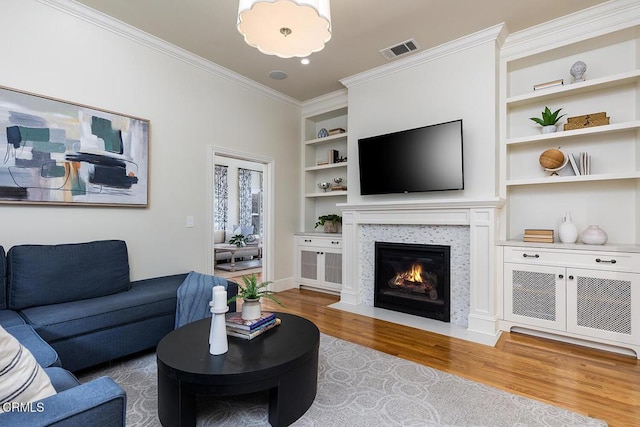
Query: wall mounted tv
(428, 158)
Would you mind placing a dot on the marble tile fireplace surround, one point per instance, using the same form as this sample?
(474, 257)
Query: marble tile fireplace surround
(467, 226)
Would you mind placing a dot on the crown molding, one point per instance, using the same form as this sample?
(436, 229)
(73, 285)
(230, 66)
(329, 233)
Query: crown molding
(497, 33)
(136, 35)
(328, 102)
(600, 19)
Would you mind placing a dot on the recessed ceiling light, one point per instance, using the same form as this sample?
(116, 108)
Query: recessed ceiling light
(305, 61)
(278, 75)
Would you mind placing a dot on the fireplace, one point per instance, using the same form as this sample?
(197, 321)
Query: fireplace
(413, 278)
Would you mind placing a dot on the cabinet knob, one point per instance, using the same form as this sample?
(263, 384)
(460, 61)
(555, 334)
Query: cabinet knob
(570, 277)
(531, 256)
(560, 276)
(606, 261)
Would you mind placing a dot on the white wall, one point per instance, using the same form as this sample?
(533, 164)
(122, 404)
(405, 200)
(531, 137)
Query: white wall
(50, 52)
(458, 84)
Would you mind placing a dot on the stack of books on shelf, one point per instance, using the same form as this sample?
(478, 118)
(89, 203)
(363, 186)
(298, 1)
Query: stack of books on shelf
(547, 85)
(580, 164)
(334, 156)
(538, 235)
(249, 329)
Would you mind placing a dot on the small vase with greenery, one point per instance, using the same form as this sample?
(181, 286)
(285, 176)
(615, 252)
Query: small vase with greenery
(549, 120)
(239, 240)
(330, 222)
(251, 293)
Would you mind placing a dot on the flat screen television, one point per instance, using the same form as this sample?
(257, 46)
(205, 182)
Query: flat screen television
(424, 159)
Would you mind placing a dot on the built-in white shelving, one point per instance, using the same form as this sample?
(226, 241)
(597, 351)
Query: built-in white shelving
(598, 84)
(580, 178)
(576, 133)
(327, 139)
(557, 288)
(322, 167)
(318, 165)
(610, 195)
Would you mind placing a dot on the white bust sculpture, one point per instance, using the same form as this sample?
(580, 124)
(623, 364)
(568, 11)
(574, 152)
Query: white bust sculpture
(577, 71)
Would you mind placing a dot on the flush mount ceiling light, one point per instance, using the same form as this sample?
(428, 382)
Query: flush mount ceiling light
(285, 28)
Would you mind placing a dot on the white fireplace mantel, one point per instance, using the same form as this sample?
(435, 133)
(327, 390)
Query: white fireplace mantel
(481, 217)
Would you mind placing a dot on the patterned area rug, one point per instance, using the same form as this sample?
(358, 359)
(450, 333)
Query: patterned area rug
(357, 386)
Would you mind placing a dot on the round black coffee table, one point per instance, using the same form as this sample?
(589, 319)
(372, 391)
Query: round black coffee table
(283, 360)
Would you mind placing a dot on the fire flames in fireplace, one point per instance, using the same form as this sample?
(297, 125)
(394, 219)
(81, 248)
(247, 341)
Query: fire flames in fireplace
(415, 280)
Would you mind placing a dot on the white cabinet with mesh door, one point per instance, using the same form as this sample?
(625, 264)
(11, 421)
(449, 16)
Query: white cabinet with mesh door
(319, 261)
(584, 296)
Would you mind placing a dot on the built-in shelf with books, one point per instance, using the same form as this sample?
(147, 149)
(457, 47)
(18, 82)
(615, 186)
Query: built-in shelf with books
(324, 161)
(599, 185)
(609, 194)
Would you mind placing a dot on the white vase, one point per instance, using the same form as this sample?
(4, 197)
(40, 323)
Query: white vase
(549, 129)
(251, 309)
(568, 232)
(594, 235)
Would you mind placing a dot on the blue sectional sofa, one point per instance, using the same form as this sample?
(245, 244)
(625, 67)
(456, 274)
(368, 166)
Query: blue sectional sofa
(79, 299)
(100, 402)
(73, 306)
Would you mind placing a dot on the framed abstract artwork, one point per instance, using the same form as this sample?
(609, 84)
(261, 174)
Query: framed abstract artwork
(58, 152)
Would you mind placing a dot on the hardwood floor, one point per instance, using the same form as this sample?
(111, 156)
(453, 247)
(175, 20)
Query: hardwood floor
(600, 384)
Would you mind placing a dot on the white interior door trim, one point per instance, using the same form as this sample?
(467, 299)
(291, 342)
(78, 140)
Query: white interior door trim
(268, 200)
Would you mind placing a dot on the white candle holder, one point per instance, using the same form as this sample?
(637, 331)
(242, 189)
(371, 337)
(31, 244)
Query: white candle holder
(218, 343)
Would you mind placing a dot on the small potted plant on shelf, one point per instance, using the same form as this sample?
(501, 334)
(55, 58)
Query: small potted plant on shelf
(251, 293)
(549, 120)
(239, 240)
(330, 222)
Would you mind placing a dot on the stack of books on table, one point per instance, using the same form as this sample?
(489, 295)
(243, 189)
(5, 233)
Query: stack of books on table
(249, 329)
(538, 235)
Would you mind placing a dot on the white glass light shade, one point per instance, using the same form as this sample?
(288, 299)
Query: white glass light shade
(286, 28)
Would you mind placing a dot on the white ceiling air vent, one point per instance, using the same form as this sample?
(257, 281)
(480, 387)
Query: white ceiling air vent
(400, 49)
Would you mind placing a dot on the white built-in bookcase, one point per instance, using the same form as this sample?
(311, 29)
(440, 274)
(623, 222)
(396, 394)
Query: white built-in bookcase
(329, 113)
(610, 195)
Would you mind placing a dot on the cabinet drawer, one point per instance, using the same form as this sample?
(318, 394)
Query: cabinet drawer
(596, 260)
(322, 242)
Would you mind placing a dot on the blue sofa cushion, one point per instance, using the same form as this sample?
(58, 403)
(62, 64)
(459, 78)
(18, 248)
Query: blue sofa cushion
(40, 275)
(3, 281)
(44, 354)
(61, 379)
(100, 402)
(146, 299)
(10, 318)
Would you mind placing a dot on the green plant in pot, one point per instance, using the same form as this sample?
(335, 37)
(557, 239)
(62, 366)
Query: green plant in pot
(239, 240)
(549, 120)
(251, 293)
(329, 222)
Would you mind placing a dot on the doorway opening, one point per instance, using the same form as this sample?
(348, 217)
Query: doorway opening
(240, 213)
